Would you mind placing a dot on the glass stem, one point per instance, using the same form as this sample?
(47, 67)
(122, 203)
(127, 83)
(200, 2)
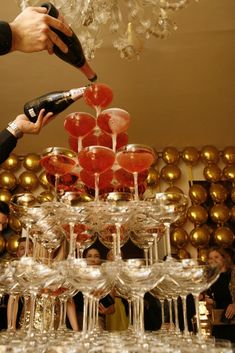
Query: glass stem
(118, 239)
(199, 329)
(175, 303)
(146, 256)
(97, 177)
(168, 241)
(136, 196)
(155, 249)
(185, 319)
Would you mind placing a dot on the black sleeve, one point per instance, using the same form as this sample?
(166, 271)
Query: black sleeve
(7, 144)
(5, 38)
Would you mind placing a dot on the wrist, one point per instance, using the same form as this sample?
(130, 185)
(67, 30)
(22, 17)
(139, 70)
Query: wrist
(5, 38)
(14, 129)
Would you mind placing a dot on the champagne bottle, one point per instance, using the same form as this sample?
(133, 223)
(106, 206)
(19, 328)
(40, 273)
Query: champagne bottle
(75, 55)
(54, 102)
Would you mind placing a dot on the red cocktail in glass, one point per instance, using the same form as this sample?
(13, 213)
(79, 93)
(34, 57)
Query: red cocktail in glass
(58, 161)
(135, 159)
(96, 160)
(78, 125)
(114, 121)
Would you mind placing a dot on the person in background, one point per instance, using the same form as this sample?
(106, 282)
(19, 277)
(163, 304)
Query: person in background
(118, 321)
(92, 255)
(31, 31)
(221, 295)
(4, 216)
(15, 303)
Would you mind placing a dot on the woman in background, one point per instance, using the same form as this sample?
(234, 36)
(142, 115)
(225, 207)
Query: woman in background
(221, 294)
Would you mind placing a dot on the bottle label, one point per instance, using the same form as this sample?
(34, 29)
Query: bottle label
(77, 92)
(32, 112)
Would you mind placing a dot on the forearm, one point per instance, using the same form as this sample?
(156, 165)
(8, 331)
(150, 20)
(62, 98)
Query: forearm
(5, 38)
(7, 143)
(72, 315)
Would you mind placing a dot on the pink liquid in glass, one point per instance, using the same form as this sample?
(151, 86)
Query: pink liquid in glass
(98, 96)
(105, 179)
(79, 124)
(57, 164)
(114, 120)
(135, 161)
(63, 180)
(96, 159)
(125, 178)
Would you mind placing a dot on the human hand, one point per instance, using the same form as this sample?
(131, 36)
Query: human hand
(27, 127)
(230, 311)
(32, 31)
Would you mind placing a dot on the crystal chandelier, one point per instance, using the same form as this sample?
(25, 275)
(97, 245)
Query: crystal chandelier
(130, 22)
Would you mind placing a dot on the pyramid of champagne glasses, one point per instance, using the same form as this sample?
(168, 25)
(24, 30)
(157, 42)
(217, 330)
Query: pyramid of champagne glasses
(98, 193)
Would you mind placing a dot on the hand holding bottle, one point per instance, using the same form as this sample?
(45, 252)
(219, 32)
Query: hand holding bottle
(32, 31)
(22, 125)
(75, 55)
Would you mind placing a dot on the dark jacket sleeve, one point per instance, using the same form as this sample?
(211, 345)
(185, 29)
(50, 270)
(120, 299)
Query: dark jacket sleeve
(7, 144)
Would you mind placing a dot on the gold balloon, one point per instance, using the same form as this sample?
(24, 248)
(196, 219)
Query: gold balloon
(43, 180)
(5, 195)
(218, 193)
(32, 162)
(202, 255)
(197, 194)
(11, 163)
(220, 213)
(210, 155)
(2, 243)
(28, 181)
(170, 173)
(179, 238)
(190, 155)
(233, 194)
(15, 224)
(183, 254)
(181, 220)
(228, 155)
(174, 190)
(170, 155)
(45, 196)
(229, 172)
(199, 237)
(224, 237)
(197, 214)
(152, 178)
(12, 243)
(232, 214)
(212, 173)
(7, 180)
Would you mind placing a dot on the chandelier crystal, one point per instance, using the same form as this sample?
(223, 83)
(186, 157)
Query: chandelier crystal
(130, 22)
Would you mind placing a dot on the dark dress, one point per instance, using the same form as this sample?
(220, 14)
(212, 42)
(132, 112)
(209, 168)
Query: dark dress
(7, 144)
(220, 293)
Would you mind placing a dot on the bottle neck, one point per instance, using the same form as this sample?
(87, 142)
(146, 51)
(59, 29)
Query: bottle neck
(88, 72)
(76, 93)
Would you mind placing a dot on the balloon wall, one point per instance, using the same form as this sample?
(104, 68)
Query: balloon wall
(207, 176)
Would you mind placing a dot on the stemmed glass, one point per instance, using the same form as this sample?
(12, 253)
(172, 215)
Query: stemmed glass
(170, 205)
(58, 161)
(96, 160)
(114, 121)
(197, 278)
(25, 207)
(89, 279)
(32, 276)
(134, 159)
(140, 279)
(78, 125)
(80, 226)
(116, 210)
